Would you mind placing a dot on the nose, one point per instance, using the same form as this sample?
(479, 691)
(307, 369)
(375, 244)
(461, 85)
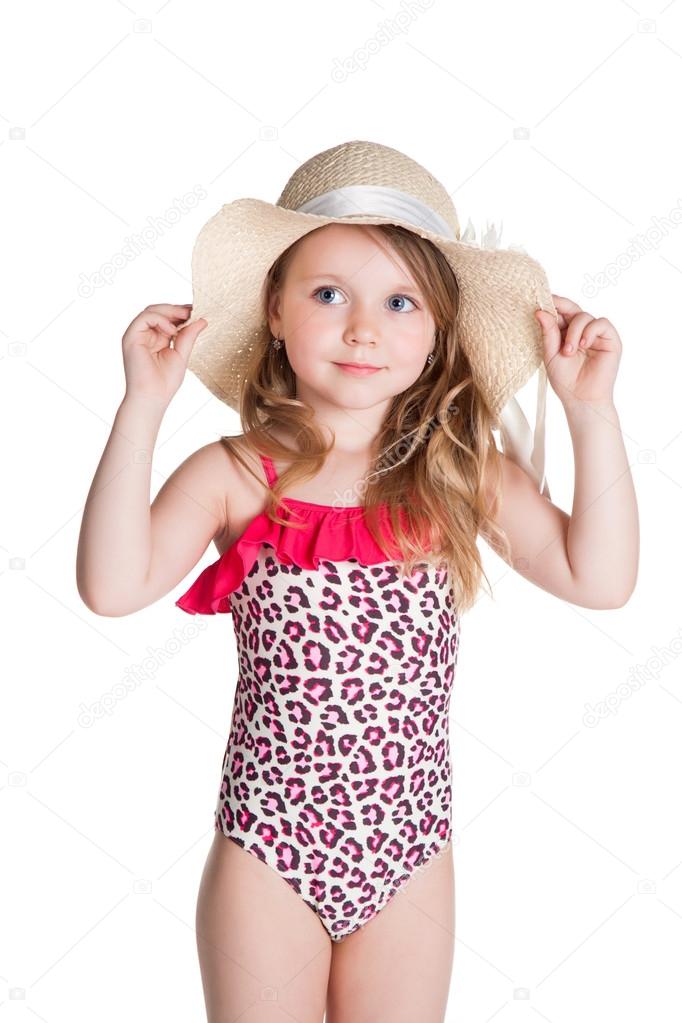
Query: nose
(360, 330)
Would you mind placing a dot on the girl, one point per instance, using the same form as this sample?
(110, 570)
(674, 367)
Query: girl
(370, 352)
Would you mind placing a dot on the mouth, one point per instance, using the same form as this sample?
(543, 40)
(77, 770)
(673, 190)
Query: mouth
(361, 369)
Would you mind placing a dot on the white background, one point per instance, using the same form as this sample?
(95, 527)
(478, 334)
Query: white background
(562, 121)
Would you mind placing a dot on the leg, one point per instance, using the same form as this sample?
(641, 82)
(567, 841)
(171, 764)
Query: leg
(263, 953)
(396, 968)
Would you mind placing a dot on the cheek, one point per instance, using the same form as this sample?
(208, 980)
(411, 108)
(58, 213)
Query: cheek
(309, 329)
(419, 329)
(411, 350)
(308, 351)
(307, 343)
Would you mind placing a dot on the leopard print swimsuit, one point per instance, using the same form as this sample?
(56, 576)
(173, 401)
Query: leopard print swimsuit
(337, 771)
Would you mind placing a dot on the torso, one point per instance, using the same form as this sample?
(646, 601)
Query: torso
(337, 769)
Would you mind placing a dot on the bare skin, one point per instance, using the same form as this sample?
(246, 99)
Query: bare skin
(397, 967)
(255, 935)
(265, 956)
(254, 932)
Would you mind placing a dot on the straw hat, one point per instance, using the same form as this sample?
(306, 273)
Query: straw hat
(366, 183)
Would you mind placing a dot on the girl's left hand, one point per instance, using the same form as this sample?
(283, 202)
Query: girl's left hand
(581, 353)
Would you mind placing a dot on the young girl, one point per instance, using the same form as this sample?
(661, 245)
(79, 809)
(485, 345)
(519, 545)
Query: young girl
(370, 351)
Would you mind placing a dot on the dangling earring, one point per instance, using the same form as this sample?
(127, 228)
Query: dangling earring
(432, 355)
(276, 342)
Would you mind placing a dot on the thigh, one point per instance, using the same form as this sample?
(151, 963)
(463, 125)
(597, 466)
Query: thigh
(263, 953)
(396, 968)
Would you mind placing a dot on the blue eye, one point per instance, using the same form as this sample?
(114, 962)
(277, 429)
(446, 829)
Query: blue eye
(325, 288)
(328, 288)
(401, 296)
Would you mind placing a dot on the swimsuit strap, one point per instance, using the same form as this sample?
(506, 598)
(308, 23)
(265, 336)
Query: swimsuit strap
(270, 471)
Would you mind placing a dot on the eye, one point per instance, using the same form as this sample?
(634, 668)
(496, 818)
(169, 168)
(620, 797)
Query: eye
(399, 297)
(327, 289)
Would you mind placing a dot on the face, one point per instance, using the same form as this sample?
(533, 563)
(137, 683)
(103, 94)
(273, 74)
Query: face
(348, 298)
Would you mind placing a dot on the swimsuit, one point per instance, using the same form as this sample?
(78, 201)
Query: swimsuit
(337, 771)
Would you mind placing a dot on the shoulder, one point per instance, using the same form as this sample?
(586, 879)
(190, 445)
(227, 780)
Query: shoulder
(212, 477)
(205, 477)
(503, 476)
(243, 465)
(219, 463)
(239, 478)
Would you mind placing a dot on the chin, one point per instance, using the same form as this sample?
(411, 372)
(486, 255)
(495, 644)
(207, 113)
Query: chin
(347, 395)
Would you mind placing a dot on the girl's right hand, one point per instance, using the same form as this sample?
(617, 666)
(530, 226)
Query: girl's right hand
(152, 368)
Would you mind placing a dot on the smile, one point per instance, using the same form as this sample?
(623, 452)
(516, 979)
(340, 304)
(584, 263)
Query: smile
(355, 370)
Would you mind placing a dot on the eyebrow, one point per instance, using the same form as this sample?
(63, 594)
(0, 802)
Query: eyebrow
(399, 286)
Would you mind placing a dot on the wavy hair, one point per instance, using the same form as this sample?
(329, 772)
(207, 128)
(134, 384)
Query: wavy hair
(430, 455)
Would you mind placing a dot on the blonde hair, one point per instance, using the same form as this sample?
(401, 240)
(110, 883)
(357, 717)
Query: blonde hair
(431, 452)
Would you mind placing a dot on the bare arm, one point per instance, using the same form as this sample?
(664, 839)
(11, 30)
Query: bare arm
(589, 558)
(116, 571)
(115, 537)
(603, 535)
(130, 555)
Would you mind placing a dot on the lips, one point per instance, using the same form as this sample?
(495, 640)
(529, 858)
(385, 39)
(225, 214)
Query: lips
(357, 369)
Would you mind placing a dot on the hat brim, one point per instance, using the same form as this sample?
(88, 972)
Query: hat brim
(499, 291)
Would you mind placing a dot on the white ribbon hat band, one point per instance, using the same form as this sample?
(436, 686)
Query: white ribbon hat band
(380, 201)
(525, 448)
(518, 443)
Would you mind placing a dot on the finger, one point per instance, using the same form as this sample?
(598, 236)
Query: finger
(575, 329)
(163, 324)
(594, 332)
(184, 342)
(567, 309)
(567, 304)
(551, 334)
(167, 309)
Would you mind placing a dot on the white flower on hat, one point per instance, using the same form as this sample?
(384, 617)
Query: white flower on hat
(490, 240)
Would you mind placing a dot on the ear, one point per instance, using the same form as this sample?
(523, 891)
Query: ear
(274, 317)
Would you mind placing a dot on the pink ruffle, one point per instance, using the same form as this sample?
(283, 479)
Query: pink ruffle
(333, 534)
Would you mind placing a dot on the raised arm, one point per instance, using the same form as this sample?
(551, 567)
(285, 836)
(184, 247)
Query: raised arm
(131, 554)
(588, 558)
(591, 557)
